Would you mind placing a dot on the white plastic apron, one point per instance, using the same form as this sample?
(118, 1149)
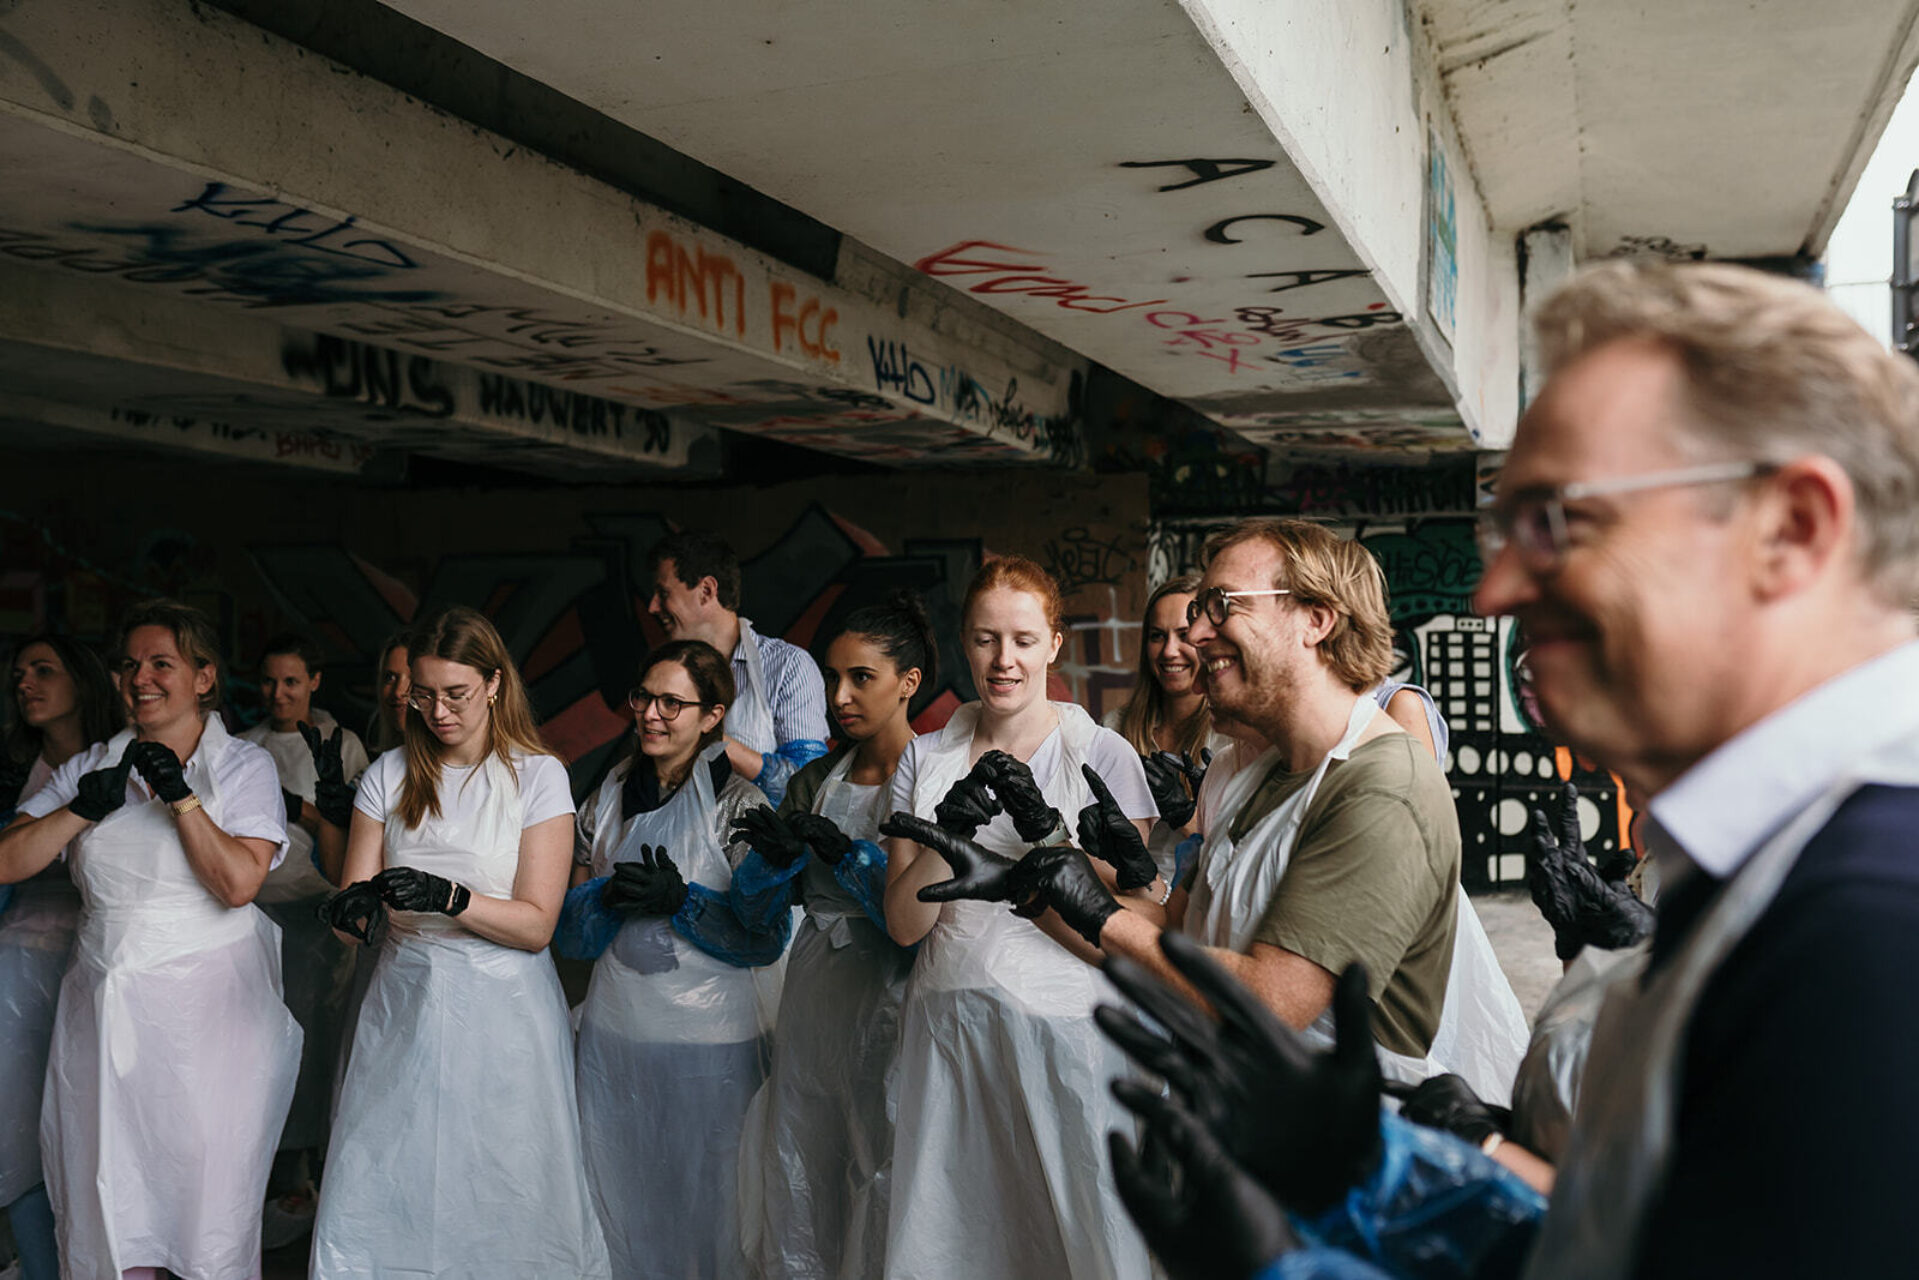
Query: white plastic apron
(456, 1150)
(1546, 1086)
(316, 968)
(1001, 1091)
(750, 719)
(670, 1055)
(1622, 1135)
(1482, 1030)
(816, 1166)
(36, 937)
(173, 1056)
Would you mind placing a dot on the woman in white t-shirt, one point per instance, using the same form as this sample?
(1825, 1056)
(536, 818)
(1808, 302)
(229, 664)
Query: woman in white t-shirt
(456, 1148)
(999, 1162)
(173, 1055)
(63, 703)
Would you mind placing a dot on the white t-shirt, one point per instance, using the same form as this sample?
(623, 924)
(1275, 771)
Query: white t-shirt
(243, 774)
(1111, 756)
(544, 789)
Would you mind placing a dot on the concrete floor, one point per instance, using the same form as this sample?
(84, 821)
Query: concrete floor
(1523, 941)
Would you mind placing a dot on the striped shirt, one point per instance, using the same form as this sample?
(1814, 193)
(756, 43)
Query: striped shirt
(796, 696)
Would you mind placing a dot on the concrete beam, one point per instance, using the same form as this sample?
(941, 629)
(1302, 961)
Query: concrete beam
(181, 151)
(85, 353)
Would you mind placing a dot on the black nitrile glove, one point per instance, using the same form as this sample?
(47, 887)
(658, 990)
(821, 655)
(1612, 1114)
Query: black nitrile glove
(1013, 783)
(1060, 876)
(1584, 908)
(13, 780)
(331, 794)
(968, 805)
(334, 800)
(1203, 1216)
(1167, 779)
(651, 885)
(763, 831)
(1110, 836)
(1448, 1103)
(1305, 1123)
(162, 770)
(826, 840)
(357, 910)
(291, 801)
(411, 889)
(977, 872)
(103, 790)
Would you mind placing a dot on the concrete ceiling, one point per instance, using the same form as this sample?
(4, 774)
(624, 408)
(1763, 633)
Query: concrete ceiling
(1722, 128)
(1092, 171)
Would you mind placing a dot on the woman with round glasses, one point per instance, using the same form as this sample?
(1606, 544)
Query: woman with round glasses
(672, 1041)
(173, 1055)
(456, 1149)
(1001, 1083)
(63, 703)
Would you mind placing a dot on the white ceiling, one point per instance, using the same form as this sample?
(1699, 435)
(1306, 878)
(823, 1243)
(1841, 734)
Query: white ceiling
(1732, 128)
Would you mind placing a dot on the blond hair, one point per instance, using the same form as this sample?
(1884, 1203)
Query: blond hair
(1772, 371)
(464, 636)
(1321, 568)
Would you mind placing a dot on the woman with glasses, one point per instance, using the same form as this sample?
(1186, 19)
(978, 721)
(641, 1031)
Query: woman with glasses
(820, 1145)
(173, 1055)
(1002, 1081)
(456, 1148)
(63, 703)
(672, 1040)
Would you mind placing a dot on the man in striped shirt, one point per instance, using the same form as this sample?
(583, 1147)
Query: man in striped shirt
(778, 718)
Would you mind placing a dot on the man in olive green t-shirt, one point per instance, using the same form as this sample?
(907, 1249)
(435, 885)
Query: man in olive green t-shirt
(1292, 629)
(1374, 878)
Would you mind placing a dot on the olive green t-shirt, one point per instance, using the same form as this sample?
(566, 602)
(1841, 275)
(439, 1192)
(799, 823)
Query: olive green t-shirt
(1374, 877)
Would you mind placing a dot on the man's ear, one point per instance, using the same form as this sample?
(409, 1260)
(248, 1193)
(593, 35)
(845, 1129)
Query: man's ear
(1320, 621)
(709, 589)
(1805, 520)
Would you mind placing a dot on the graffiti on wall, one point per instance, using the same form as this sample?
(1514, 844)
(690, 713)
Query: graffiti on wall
(1501, 764)
(573, 618)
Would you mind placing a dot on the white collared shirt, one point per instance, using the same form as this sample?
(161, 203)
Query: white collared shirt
(1722, 809)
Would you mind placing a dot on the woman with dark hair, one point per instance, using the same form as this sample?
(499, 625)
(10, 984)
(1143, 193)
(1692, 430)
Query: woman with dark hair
(1002, 1101)
(672, 1035)
(173, 1054)
(820, 1145)
(392, 683)
(63, 702)
(456, 1148)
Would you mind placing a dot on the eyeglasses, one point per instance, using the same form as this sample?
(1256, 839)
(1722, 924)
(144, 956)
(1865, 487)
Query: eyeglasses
(670, 707)
(455, 700)
(1217, 603)
(1535, 522)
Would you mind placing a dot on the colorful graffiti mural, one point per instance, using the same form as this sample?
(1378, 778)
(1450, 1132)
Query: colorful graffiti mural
(571, 605)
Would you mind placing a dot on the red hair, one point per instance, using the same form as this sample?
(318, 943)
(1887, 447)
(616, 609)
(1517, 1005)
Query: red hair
(1017, 573)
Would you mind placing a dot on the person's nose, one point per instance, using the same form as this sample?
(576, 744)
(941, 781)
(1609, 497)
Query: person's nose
(1504, 584)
